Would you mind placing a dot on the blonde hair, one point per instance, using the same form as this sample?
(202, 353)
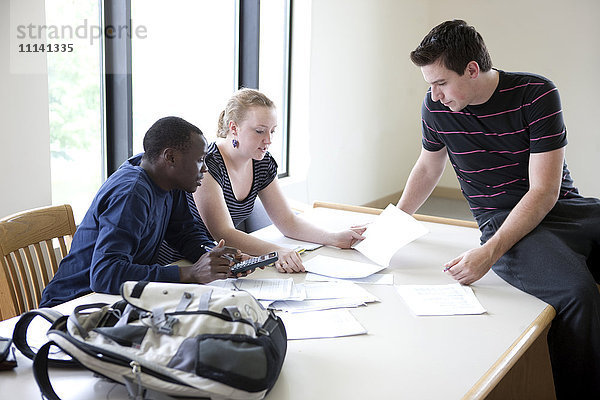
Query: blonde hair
(237, 107)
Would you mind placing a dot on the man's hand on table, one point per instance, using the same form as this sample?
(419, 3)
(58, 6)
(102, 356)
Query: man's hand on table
(213, 265)
(470, 266)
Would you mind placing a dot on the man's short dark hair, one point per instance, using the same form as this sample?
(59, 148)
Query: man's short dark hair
(168, 132)
(455, 44)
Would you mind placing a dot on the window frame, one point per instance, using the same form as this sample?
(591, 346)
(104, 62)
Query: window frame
(118, 117)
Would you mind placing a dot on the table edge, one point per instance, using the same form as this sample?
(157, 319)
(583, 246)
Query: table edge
(506, 361)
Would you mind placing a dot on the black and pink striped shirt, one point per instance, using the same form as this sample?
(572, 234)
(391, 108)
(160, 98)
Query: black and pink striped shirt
(489, 144)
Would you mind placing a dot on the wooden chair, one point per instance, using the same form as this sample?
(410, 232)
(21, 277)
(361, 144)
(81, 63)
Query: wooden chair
(28, 255)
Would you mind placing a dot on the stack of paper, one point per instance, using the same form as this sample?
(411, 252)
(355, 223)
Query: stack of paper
(283, 294)
(261, 289)
(326, 295)
(309, 300)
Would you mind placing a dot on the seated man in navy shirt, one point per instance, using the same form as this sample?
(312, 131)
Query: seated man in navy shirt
(137, 207)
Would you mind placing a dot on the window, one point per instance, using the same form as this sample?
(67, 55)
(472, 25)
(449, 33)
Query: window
(186, 64)
(273, 70)
(75, 110)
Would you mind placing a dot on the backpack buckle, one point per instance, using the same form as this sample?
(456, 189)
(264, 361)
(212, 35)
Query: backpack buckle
(167, 326)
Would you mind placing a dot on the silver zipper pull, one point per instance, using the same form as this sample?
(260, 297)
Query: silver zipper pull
(136, 369)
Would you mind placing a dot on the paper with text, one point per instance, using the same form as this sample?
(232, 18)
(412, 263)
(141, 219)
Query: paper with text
(388, 232)
(452, 299)
(262, 289)
(321, 324)
(340, 268)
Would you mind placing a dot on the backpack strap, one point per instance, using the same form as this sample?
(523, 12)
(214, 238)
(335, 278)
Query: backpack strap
(20, 333)
(204, 300)
(40, 372)
(232, 312)
(91, 323)
(185, 301)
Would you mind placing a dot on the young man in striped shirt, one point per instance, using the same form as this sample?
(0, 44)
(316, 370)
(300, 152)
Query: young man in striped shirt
(505, 137)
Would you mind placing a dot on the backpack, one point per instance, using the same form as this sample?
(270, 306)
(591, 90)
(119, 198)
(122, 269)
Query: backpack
(184, 340)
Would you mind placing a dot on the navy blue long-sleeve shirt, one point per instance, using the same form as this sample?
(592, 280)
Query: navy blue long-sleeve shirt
(119, 237)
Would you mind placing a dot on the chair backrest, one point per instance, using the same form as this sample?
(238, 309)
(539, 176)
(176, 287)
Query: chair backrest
(257, 219)
(28, 255)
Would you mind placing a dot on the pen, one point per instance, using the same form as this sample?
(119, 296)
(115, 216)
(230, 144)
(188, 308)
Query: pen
(301, 249)
(206, 248)
(225, 256)
(446, 269)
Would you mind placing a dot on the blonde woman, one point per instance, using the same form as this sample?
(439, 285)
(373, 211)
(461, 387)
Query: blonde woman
(240, 169)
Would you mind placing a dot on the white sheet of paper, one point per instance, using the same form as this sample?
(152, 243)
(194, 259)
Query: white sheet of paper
(294, 306)
(321, 324)
(452, 299)
(375, 279)
(389, 231)
(335, 220)
(336, 290)
(271, 234)
(262, 289)
(340, 268)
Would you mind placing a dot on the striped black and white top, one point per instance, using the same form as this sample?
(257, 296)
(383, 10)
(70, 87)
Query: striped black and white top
(489, 144)
(265, 171)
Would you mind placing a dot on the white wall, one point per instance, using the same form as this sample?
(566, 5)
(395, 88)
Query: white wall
(24, 132)
(361, 125)
(358, 136)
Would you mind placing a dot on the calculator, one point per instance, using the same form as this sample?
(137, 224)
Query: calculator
(254, 262)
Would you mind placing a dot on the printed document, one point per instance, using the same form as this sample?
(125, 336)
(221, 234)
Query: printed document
(389, 231)
(340, 268)
(321, 324)
(452, 299)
